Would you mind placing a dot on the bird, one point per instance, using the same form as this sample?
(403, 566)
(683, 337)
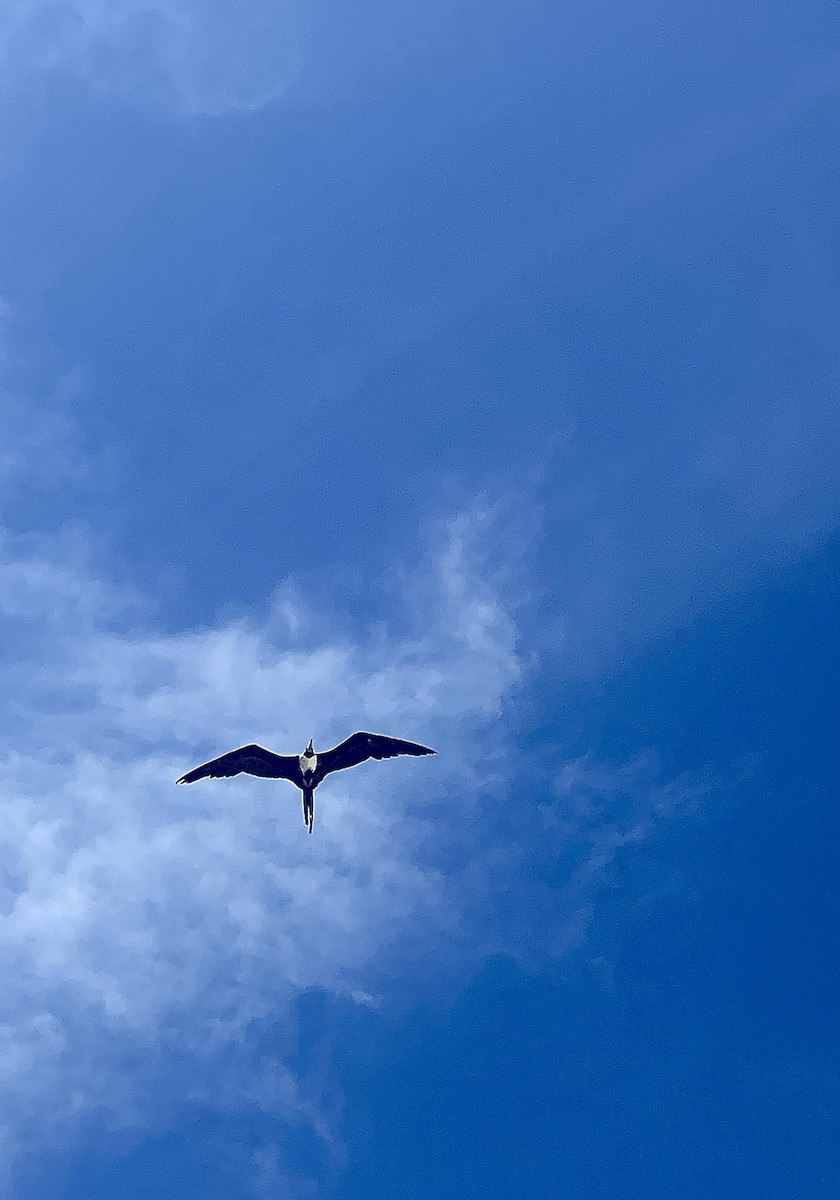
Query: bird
(305, 770)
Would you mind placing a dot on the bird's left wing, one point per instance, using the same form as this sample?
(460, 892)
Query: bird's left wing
(361, 746)
(253, 760)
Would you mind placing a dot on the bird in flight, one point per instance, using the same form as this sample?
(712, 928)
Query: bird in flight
(305, 770)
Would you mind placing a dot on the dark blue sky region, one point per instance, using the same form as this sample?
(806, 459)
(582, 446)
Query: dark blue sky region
(469, 374)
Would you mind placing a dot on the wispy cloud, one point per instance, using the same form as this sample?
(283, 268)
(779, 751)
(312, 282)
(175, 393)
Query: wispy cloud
(134, 912)
(140, 922)
(38, 443)
(206, 57)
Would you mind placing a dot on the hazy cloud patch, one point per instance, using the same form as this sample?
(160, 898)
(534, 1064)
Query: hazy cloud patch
(205, 57)
(209, 58)
(132, 912)
(143, 924)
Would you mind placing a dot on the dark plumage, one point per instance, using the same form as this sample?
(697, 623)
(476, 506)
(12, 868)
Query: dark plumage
(305, 770)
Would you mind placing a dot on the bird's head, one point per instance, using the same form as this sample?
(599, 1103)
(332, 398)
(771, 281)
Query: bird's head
(309, 750)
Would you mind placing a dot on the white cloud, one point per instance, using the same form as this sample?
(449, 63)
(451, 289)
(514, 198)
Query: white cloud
(140, 921)
(133, 911)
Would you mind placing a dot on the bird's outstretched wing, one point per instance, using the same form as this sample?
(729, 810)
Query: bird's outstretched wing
(253, 760)
(361, 746)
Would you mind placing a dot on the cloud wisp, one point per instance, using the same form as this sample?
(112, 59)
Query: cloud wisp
(143, 924)
(135, 915)
(204, 58)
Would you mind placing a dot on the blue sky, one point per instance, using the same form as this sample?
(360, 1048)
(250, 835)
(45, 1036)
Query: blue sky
(471, 375)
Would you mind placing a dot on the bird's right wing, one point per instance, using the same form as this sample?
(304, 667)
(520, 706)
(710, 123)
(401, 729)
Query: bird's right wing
(361, 746)
(253, 760)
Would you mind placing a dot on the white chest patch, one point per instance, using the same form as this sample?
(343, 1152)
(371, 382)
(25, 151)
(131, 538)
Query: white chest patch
(308, 763)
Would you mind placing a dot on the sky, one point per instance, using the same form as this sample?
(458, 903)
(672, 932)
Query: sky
(468, 373)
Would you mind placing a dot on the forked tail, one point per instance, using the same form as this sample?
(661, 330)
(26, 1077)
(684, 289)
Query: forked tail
(309, 808)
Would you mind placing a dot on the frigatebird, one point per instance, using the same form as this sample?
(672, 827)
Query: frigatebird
(305, 770)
